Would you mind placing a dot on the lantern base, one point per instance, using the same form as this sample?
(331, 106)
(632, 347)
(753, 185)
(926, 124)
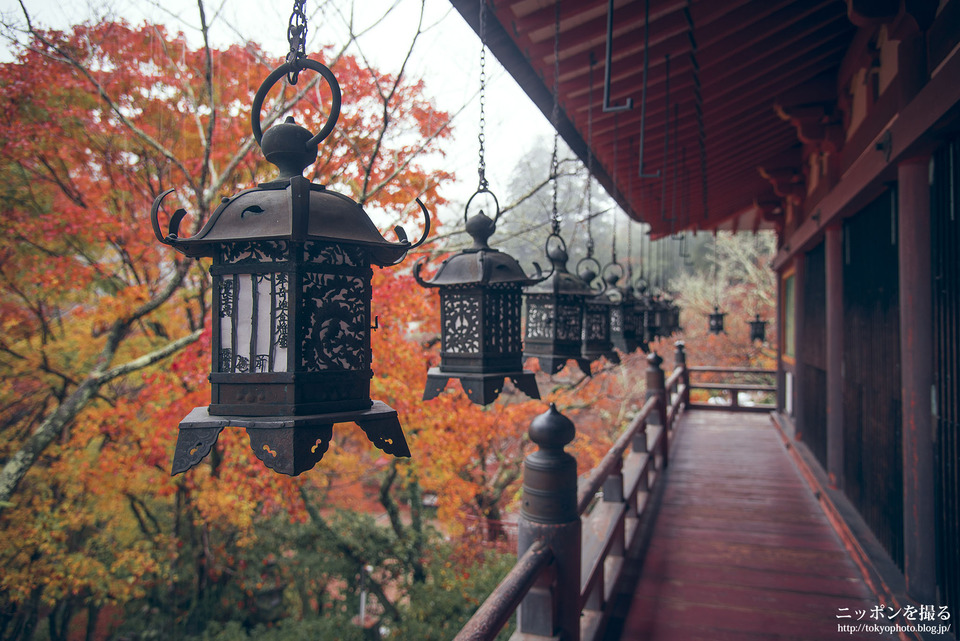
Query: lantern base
(286, 444)
(481, 389)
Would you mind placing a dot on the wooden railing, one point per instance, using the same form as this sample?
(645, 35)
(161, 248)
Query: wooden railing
(735, 381)
(574, 537)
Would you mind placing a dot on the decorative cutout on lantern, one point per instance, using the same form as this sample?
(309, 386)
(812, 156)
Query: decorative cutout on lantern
(292, 288)
(554, 331)
(597, 340)
(758, 329)
(480, 308)
(716, 321)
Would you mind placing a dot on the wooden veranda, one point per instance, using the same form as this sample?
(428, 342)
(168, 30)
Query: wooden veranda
(697, 524)
(741, 548)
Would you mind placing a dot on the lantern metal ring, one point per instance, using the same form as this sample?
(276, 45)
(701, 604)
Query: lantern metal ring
(279, 72)
(606, 278)
(589, 275)
(483, 190)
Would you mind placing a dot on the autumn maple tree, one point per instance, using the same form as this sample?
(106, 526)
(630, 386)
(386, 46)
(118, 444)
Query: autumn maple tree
(97, 122)
(106, 347)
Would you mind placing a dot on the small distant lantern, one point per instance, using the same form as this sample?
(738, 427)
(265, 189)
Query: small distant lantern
(758, 329)
(716, 321)
(480, 310)
(653, 319)
(670, 315)
(597, 340)
(291, 303)
(554, 327)
(643, 315)
(623, 317)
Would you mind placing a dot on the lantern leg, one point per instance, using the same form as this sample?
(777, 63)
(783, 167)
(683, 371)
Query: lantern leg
(382, 428)
(193, 444)
(584, 365)
(526, 382)
(436, 383)
(291, 450)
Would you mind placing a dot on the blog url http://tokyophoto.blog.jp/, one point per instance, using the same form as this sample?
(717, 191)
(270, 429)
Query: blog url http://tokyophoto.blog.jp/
(881, 619)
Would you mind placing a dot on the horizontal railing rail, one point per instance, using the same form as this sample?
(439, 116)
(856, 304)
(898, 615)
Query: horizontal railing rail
(496, 611)
(604, 525)
(732, 381)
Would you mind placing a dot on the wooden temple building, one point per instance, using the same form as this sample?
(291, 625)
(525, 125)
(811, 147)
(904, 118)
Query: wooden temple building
(836, 124)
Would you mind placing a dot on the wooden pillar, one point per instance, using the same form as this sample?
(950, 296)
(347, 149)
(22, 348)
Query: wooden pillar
(549, 513)
(833, 245)
(916, 370)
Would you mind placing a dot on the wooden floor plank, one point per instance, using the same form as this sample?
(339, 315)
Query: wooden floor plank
(741, 549)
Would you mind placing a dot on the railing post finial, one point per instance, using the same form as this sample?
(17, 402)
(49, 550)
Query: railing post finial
(680, 357)
(549, 514)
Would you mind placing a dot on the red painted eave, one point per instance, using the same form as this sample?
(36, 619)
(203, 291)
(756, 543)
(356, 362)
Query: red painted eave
(741, 54)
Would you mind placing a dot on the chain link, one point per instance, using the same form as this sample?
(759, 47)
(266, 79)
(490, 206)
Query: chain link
(555, 118)
(481, 137)
(590, 245)
(297, 37)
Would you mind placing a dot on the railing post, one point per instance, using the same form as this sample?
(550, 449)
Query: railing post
(549, 514)
(681, 361)
(656, 387)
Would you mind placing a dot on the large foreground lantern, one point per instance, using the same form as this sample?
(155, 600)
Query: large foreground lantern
(291, 304)
(480, 309)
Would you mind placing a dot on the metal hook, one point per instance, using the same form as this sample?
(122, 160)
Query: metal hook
(607, 107)
(643, 92)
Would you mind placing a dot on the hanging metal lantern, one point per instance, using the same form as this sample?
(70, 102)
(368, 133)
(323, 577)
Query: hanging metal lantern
(554, 316)
(653, 318)
(623, 316)
(291, 300)
(642, 310)
(597, 340)
(480, 309)
(758, 329)
(716, 321)
(669, 315)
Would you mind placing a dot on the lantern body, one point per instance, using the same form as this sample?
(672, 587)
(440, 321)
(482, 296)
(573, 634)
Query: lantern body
(597, 339)
(652, 328)
(758, 329)
(716, 321)
(554, 317)
(623, 320)
(480, 331)
(291, 349)
(293, 335)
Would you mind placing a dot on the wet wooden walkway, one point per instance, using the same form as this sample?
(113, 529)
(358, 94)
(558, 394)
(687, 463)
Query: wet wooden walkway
(741, 549)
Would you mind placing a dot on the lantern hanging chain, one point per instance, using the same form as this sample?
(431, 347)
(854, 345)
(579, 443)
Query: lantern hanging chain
(590, 245)
(616, 151)
(481, 137)
(716, 270)
(555, 119)
(297, 37)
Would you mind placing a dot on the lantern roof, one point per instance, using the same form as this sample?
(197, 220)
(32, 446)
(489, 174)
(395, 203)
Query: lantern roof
(479, 264)
(561, 281)
(273, 211)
